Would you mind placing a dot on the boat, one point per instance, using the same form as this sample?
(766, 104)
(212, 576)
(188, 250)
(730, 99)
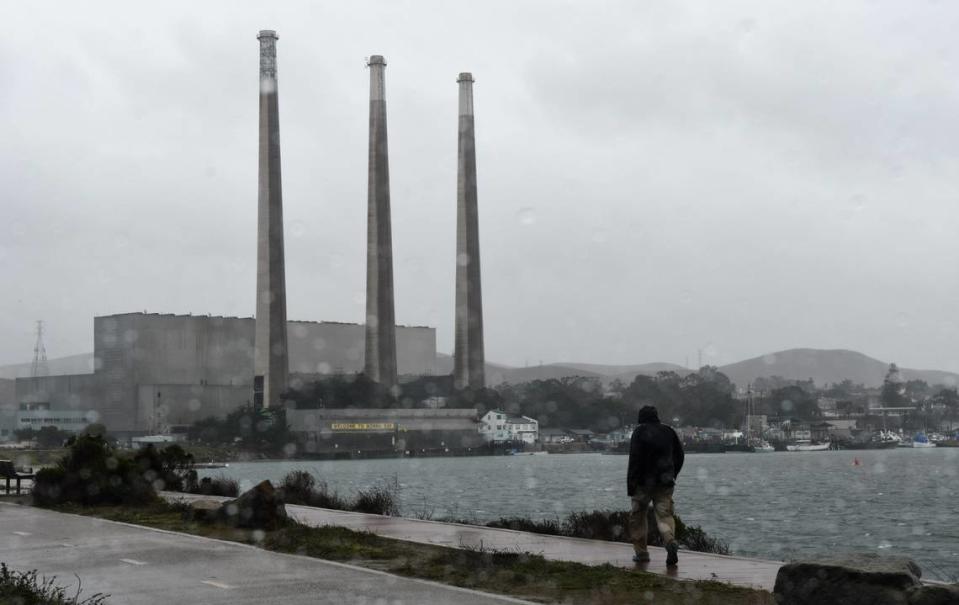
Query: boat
(804, 445)
(950, 441)
(919, 441)
(204, 465)
(881, 440)
(762, 447)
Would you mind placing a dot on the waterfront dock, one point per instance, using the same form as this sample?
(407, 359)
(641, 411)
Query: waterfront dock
(740, 571)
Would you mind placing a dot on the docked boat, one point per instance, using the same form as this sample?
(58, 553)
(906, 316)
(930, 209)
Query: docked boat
(919, 441)
(804, 445)
(762, 446)
(883, 440)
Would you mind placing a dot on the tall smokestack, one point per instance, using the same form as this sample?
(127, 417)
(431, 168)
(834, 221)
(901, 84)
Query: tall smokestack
(469, 359)
(380, 320)
(271, 361)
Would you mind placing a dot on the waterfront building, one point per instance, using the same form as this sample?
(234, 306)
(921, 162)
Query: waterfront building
(496, 426)
(38, 416)
(554, 436)
(156, 373)
(370, 431)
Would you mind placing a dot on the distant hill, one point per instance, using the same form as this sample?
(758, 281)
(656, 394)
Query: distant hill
(72, 364)
(826, 366)
(499, 374)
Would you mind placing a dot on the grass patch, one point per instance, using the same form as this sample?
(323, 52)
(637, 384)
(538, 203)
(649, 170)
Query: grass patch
(29, 588)
(513, 573)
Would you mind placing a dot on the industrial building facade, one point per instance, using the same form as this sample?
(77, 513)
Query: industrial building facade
(155, 371)
(385, 431)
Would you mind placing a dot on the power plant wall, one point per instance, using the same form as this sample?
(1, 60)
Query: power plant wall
(201, 366)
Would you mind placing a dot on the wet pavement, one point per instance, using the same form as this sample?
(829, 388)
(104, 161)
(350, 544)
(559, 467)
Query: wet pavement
(740, 571)
(143, 566)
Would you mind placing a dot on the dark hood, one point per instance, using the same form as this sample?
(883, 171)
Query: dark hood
(648, 413)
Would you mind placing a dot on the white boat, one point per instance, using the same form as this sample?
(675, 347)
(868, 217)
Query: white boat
(805, 445)
(762, 446)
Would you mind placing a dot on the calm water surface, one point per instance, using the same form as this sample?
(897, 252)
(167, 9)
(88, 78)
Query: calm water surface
(780, 505)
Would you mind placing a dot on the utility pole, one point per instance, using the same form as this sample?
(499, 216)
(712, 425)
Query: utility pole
(39, 367)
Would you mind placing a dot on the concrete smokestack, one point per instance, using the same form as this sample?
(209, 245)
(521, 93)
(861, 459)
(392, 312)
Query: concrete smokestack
(271, 361)
(469, 358)
(380, 363)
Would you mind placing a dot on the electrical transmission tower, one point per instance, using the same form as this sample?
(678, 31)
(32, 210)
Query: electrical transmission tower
(39, 367)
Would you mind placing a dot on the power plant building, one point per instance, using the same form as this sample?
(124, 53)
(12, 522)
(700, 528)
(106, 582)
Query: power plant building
(156, 372)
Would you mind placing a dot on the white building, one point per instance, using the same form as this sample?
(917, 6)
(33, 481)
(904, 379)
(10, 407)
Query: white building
(499, 427)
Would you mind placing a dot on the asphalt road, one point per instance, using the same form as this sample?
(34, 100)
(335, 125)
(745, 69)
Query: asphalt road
(143, 566)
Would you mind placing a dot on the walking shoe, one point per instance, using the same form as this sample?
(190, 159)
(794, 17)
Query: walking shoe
(641, 557)
(672, 558)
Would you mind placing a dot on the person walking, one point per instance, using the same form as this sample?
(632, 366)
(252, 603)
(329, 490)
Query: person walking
(655, 459)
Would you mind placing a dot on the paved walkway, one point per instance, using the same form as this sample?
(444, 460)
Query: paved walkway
(143, 566)
(692, 566)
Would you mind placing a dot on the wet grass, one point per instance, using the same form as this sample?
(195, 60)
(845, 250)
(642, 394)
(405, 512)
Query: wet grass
(518, 574)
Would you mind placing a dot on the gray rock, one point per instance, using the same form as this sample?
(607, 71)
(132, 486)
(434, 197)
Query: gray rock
(205, 511)
(857, 579)
(935, 595)
(259, 508)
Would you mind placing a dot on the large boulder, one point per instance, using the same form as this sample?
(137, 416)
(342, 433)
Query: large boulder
(857, 579)
(259, 508)
(204, 511)
(935, 595)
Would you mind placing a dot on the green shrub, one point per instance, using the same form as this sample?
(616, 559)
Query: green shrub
(92, 473)
(27, 588)
(164, 469)
(377, 500)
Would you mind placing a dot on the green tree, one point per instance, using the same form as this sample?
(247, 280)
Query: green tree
(794, 402)
(46, 437)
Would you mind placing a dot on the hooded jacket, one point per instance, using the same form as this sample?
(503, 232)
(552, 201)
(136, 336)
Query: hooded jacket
(655, 453)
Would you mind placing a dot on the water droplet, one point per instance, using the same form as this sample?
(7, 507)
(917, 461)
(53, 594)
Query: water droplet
(526, 216)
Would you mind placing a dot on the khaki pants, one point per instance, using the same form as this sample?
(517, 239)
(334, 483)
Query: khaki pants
(662, 500)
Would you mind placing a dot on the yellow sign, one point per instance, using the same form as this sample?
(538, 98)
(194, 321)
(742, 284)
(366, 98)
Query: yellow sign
(363, 426)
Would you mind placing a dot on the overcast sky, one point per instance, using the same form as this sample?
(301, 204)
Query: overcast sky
(654, 178)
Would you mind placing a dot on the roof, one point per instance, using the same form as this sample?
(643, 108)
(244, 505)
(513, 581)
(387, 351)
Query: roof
(210, 316)
(582, 432)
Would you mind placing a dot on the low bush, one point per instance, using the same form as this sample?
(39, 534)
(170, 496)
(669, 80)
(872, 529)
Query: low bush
(300, 487)
(549, 527)
(93, 472)
(377, 500)
(612, 526)
(28, 588)
(165, 469)
(211, 486)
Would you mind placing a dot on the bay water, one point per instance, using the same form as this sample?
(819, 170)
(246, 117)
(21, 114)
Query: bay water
(783, 505)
